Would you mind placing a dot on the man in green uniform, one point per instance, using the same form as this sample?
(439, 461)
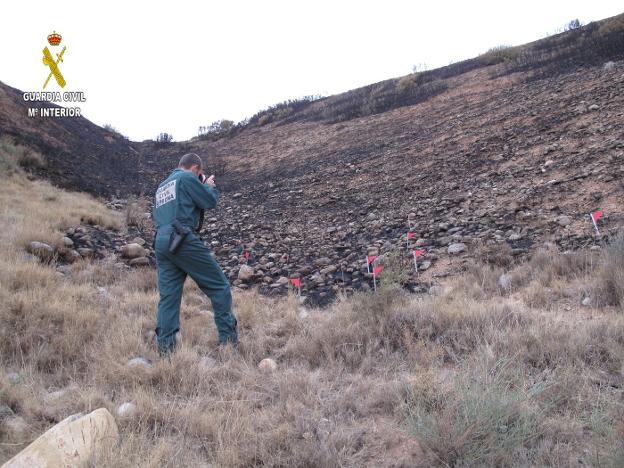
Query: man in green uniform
(182, 197)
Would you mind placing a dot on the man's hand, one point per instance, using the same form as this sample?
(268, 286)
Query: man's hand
(210, 181)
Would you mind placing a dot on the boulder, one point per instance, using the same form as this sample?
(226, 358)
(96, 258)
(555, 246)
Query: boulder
(456, 248)
(40, 250)
(138, 240)
(424, 265)
(72, 442)
(139, 362)
(564, 220)
(283, 281)
(132, 250)
(139, 261)
(245, 273)
(71, 256)
(321, 262)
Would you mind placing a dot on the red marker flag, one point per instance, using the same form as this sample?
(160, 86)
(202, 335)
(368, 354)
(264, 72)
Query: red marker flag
(369, 261)
(296, 282)
(246, 254)
(418, 252)
(377, 270)
(410, 235)
(596, 215)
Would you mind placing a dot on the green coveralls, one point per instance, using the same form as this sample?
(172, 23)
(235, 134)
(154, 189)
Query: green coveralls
(181, 196)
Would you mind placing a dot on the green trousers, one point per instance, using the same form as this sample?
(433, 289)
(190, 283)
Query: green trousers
(193, 258)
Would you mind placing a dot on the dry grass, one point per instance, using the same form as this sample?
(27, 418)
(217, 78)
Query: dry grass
(474, 376)
(135, 212)
(609, 289)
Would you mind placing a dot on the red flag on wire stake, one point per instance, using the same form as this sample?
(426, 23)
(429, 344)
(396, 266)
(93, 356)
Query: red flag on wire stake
(297, 283)
(410, 234)
(376, 272)
(417, 253)
(246, 254)
(595, 216)
(369, 261)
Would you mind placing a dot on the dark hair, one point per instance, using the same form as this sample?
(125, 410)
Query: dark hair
(190, 159)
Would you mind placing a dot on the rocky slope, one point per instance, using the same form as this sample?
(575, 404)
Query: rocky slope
(493, 158)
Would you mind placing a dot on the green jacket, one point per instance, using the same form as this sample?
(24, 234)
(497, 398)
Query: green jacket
(182, 196)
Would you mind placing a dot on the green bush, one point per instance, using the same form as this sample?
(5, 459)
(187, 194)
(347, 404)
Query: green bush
(499, 54)
(14, 156)
(479, 421)
(395, 273)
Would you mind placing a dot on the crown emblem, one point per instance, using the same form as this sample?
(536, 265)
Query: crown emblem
(54, 39)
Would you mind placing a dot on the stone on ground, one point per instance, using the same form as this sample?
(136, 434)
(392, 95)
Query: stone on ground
(126, 410)
(132, 250)
(72, 442)
(456, 248)
(267, 365)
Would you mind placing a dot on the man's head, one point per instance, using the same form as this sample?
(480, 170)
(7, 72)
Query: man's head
(191, 162)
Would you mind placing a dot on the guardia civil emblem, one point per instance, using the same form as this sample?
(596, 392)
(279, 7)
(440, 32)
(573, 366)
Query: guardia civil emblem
(54, 40)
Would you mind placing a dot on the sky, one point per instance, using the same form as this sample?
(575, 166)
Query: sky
(172, 66)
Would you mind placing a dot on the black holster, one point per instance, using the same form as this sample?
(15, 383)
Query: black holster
(179, 233)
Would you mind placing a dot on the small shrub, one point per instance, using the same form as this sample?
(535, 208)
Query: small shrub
(481, 421)
(395, 273)
(407, 82)
(217, 128)
(574, 24)
(112, 129)
(164, 138)
(495, 254)
(135, 213)
(14, 156)
(548, 264)
(499, 54)
(609, 289)
(30, 159)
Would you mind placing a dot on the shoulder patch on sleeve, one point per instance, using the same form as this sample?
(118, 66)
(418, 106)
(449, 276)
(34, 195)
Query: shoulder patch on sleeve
(166, 193)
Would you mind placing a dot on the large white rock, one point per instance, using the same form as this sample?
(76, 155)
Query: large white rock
(456, 248)
(133, 250)
(72, 442)
(245, 273)
(139, 362)
(41, 250)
